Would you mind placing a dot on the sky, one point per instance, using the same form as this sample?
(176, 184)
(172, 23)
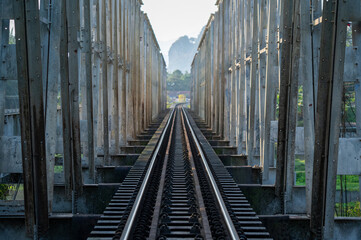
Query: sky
(172, 19)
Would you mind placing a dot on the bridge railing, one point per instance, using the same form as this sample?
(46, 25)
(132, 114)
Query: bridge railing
(282, 76)
(86, 77)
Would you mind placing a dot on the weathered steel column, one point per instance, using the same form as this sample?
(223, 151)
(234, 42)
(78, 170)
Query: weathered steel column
(32, 116)
(89, 88)
(45, 20)
(73, 24)
(65, 105)
(271, 85)
(329, 99)
(356, 41)
(253, 79)
(142, 71)
(4, 41)
(52, 83)
(123, 126)
(232, 75)
(292, 105)
(115, 78)
(104, 50)
(131, 79)
(286, 58)
(262, 61)
(242, 81)
(306, 74)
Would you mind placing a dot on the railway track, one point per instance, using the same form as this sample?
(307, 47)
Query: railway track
(180, 193)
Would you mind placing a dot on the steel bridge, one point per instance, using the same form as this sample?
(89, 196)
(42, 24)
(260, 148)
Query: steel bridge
(270, 147)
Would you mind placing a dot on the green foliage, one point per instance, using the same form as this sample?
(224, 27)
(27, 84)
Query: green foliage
(177, 81)
(4, 191)
(350, 181)
(352, 209)
(12, 37)
(349, 105)
(300, 171)
(349, 36)
(300, 107)
(58, 169)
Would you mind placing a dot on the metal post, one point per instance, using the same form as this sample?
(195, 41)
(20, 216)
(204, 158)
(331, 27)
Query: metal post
(271, 84)
(89, 89)
(287, 12)
(52, 83)
(32, 116)
(253, 79)
(329, 98)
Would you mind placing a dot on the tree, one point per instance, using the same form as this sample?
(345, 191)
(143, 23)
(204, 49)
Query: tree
(177, 81)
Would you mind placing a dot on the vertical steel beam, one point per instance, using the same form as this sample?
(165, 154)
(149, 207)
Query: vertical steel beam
(52, 85)
(271, 83)
(286, 61)
(292, 106)
(45, 20)
(104, 39)
(356, 41)
(262, 56)
(32, 116)
(115, 78)
(65, 105)
(89, 88)
(242, 80)
(329, 99)
(123, 127)
(306, 74)
(253, 83)
(131, 79)
(4, 41)
(73, 27)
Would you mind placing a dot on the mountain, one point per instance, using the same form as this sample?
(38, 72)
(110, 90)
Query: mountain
(182, 52)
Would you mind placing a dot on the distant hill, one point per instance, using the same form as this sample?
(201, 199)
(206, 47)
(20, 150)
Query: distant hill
(181, 53)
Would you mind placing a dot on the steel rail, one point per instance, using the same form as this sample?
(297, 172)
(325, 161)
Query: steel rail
(133, 214)
(227, 219)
